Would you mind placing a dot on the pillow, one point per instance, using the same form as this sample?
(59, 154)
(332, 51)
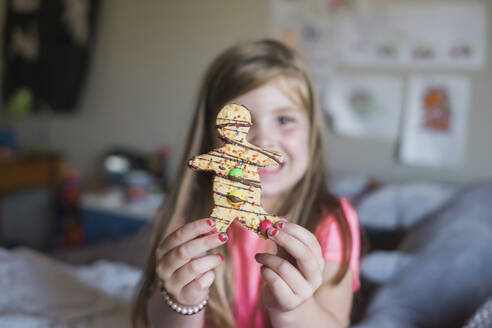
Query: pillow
(402, 206)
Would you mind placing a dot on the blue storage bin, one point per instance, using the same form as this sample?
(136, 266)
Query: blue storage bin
(102, 225)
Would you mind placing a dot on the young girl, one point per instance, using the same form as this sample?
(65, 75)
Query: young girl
(307, 269)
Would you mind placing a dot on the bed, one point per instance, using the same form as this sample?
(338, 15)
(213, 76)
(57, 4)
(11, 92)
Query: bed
(38, 291)
(439, 272)
(428, 265)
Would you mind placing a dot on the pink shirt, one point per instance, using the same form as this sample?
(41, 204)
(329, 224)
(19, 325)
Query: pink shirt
(243, 246)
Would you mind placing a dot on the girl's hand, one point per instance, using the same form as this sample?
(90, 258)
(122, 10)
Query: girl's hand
(294, 275)
(182, 265)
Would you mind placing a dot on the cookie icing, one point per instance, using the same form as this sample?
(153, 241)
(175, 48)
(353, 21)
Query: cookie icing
(236, 182)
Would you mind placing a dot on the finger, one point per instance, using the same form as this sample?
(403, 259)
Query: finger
(289, 274)
(197, 290)
(305, 236)
(186, 233)
(305, 258)
(282, 292)
(182, 254)
(194, 269)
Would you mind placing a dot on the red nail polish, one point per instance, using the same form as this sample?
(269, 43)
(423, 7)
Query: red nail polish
(272, 232)
(210, 222)
(223, 237)
(280, 225)
(221, 257)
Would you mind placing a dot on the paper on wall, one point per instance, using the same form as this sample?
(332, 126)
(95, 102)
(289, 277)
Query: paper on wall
(308, 27)
(418, 35)
(365, 106)
(395, 35)
(435, 123)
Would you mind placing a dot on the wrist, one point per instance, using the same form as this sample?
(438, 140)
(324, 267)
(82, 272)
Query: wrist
(289, 318)
(180, 308)
(308, 312)
(162, 315)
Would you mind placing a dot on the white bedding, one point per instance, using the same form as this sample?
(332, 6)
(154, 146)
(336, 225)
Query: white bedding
(37, 291)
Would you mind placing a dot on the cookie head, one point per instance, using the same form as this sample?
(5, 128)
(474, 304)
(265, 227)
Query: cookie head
(233, 122)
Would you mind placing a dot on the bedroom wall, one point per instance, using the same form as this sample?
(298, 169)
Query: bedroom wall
(146, 67)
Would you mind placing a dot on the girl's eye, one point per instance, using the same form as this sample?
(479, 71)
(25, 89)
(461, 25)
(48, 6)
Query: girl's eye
(285, 119)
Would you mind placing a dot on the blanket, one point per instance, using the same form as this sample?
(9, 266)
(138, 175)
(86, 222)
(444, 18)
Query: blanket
(442, 269)
(38, 291)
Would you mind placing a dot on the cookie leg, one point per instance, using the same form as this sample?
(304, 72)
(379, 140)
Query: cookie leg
(267, 222)
(273, 219)
(259, 223)
(221, 223)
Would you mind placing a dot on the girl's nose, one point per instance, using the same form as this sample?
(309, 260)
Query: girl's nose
(261, 136)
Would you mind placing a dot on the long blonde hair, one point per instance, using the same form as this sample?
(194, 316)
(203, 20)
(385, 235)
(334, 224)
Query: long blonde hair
(236, 71)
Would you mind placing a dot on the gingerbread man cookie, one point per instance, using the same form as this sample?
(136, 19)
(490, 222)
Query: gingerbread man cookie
(236, 182)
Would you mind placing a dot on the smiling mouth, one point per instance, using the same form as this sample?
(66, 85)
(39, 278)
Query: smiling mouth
(266, 172)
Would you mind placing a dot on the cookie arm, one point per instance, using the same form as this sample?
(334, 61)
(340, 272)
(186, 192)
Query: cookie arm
(203, 162)
(264, 157)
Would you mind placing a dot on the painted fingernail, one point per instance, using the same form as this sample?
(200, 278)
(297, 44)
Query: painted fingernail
(211, 222)
(272, 232)
(280, 225)
(223, 237)
(221, 257)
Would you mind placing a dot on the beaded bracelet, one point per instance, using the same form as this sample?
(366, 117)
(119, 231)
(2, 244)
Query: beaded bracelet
(181, 309)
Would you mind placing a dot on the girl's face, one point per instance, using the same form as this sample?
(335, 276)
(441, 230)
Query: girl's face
(278, 124)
